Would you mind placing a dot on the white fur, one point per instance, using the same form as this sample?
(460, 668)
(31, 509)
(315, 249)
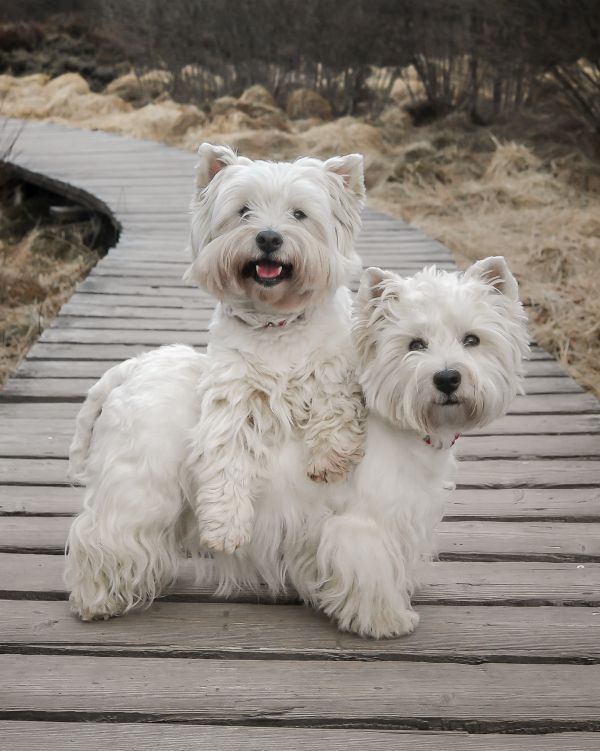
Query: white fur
(173, 451)
(205, 434)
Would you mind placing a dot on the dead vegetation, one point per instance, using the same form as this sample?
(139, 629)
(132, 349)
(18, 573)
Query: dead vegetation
(40, 264)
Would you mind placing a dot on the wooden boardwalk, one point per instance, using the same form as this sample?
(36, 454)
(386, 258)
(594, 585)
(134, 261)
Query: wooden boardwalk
(509, 643)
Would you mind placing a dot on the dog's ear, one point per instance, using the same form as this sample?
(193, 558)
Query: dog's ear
(351, 169)
(495, 272)
(212, 160)
(374, 282)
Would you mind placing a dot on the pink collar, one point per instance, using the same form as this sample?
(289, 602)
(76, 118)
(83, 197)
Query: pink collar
(257, 320)
(427, 440)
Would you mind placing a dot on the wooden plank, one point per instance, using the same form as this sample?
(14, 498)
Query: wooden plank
(508, 473)
(565, 504)
(124, 336)
(52, 439)
(524, 503)
(484, 473)
(510, 425)
(198, 321)
(64, 352)
(523, 447)
(85, 368)
(112, 299)
(582, 504)
(59, 387)
(456, 540)
(549, 424)
(93, 736)
(382, 694)
(445, 633)
(35, 500)
(447, 582)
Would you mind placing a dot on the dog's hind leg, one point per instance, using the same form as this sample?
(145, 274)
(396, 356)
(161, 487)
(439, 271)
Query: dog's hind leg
(362, 580)
(123, 550)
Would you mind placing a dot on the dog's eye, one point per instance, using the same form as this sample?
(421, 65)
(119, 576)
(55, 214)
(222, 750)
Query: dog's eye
(243, 211)
(417, 344)
(299, 214)
(471, 340)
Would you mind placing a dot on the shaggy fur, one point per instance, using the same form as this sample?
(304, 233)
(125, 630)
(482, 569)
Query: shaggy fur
(173, 431)
(353, 549)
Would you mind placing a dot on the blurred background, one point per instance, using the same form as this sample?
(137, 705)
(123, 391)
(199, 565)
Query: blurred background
(479, 122)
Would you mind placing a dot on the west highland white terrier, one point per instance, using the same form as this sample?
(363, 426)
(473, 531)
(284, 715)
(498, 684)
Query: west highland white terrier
(176, 448)
(440, 353)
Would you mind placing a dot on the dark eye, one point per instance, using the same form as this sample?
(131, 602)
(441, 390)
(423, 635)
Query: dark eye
(417, 344)
(243, 211)
(299, 214)
(471, 340)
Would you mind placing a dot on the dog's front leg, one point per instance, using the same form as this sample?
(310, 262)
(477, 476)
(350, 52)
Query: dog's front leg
(335, 427)
(228, 460)
(364, 578)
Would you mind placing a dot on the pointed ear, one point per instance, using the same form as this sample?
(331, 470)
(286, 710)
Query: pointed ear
(212, 160)
(495, 272)
(351, 169)
(373, 283)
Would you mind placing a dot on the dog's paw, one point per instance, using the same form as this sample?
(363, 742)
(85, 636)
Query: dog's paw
(225, 537)
(385, 624)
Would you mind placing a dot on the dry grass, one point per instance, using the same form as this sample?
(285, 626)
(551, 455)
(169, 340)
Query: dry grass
(37, 275)
(508, 202)
(526, 189)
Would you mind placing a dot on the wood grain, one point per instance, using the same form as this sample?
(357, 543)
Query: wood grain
(505, 582)
(297, 692)
(94, 736)
(445, 633)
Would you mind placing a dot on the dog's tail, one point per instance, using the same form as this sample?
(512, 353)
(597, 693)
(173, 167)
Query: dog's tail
(89, 413)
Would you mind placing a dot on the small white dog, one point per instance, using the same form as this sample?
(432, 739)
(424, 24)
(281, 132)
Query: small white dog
(440, 353)
(174, 431)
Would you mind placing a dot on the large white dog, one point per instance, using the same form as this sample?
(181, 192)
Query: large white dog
(274, 242)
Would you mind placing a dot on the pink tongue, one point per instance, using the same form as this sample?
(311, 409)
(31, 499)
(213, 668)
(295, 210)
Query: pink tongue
(267, 271)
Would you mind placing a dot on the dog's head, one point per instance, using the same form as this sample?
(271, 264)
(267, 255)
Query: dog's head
(278, 234)
(441, 352)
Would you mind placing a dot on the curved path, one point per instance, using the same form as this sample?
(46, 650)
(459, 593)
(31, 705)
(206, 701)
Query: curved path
(510, 634)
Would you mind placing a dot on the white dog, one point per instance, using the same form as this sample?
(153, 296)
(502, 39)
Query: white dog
(440, 353)
(174, 431)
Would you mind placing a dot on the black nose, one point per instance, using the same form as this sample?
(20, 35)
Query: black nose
(447, 381)
(269, 241)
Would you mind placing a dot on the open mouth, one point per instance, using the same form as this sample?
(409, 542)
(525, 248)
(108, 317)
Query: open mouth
(268, 272)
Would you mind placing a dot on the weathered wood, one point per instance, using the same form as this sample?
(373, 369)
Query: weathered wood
(446, 582)
(452, 634)
(456, 540)
(64, 736)
(54, 388)
(566, 504)
(525, 503)
(94, 369)
(417, 694)
(52, 437)
(484, 473)
(35, 499)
